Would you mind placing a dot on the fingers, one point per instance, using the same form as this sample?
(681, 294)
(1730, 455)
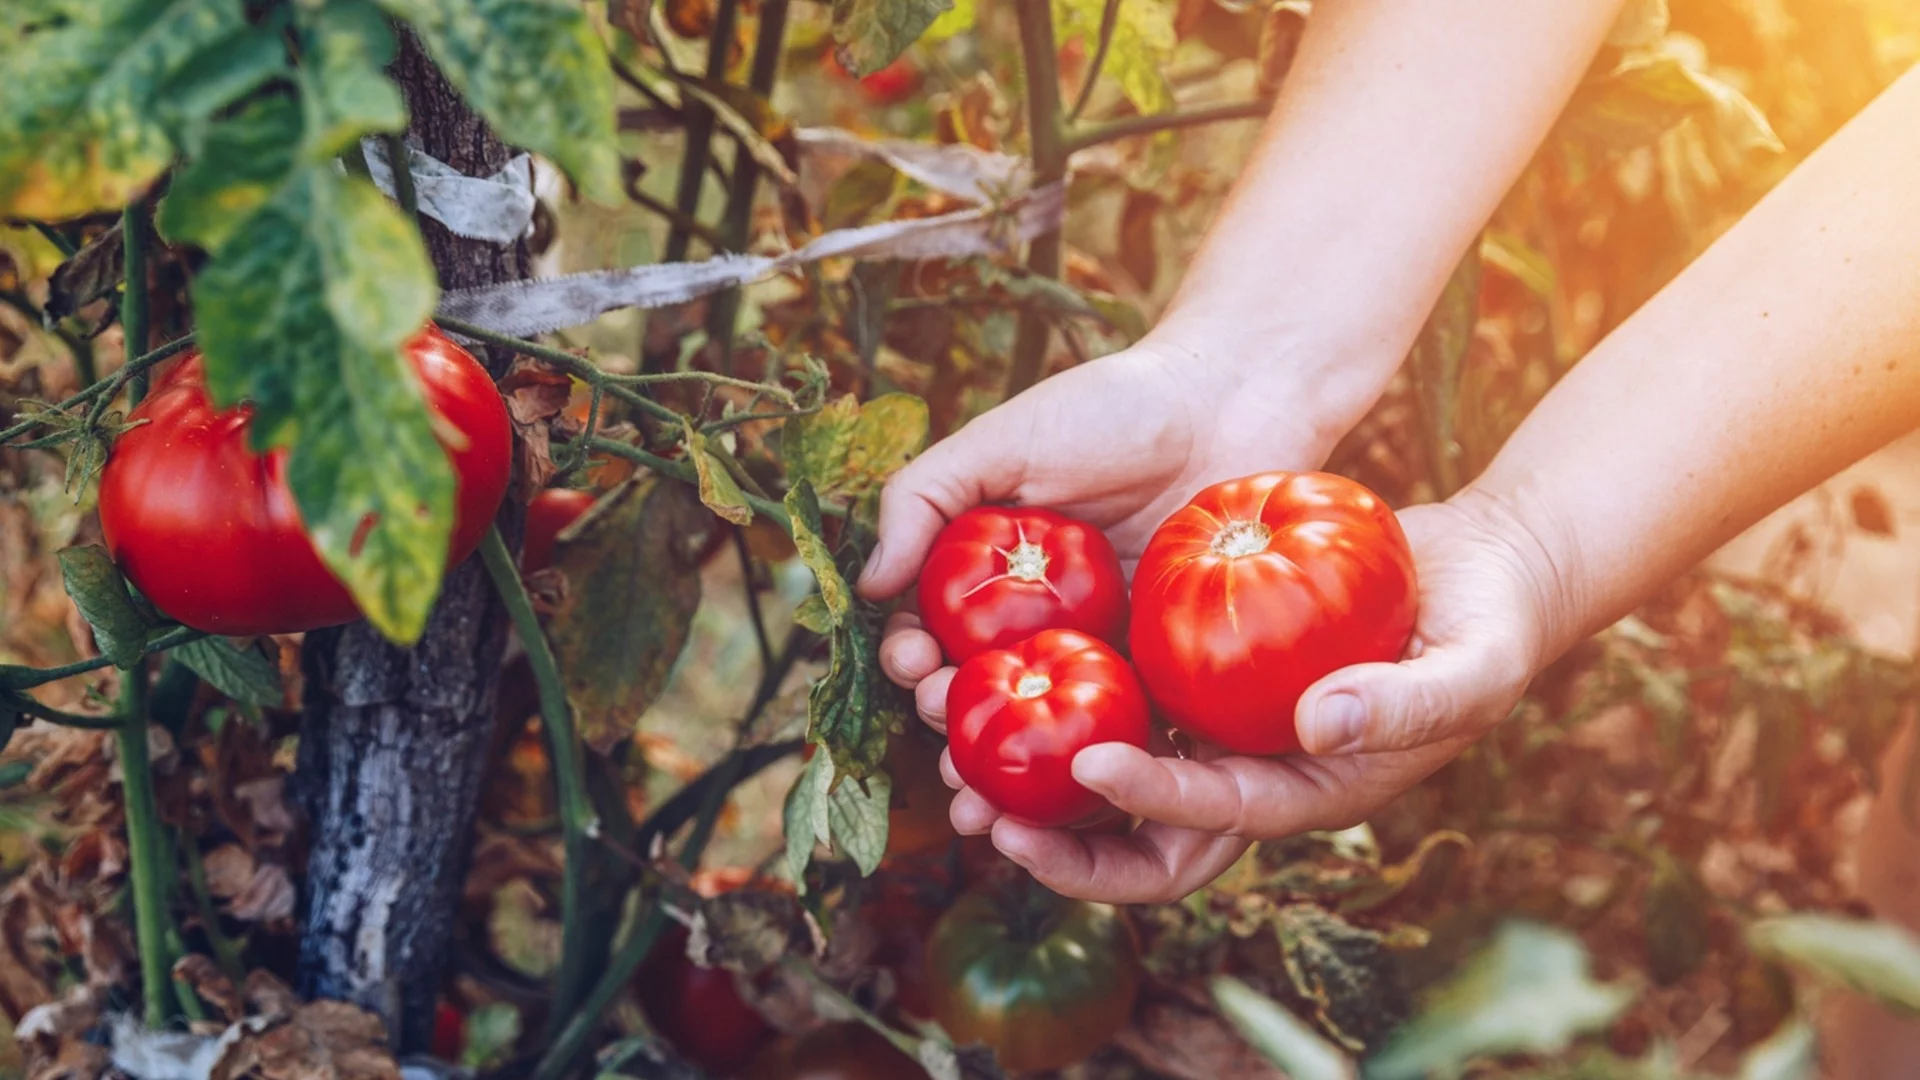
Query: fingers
(1442, 694)
(971, 814)
(908, 654)
(956, 474)
(1237, 796)
(1154, 864)
(930, 698)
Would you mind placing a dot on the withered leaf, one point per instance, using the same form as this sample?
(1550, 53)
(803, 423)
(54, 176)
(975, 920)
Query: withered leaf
(633, 588)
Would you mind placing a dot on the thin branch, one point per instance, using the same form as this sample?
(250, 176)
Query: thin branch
(133, 304)
(1046, 135)
(108, 386)
(700, 122)
(684, 470)
(179, 635)
(1109, 20)
(752, 591)
(403, 191)
(1154, 123)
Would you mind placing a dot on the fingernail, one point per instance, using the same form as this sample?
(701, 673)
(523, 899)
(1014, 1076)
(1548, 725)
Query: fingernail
(1095, 769)
(1337, 723)
(873, 560)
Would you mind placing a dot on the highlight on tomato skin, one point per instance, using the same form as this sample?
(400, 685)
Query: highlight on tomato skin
(997, 575)
(551, 511)
(1258, 588)
(1017, 717)
(209, 531)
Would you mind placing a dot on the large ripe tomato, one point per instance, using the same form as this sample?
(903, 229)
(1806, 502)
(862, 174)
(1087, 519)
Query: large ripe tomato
(208, 530)
(997, 575)
(1250, 593)
(1016, 717)
(700, 1010)
(848, 1050)
(552, 510)
(1042, 980)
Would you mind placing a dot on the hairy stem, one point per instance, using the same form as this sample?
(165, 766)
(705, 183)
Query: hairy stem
(1046, 137)
(16, 680)
(143, 845)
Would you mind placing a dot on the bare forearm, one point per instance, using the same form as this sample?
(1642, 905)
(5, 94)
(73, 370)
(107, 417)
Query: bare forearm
(1787, 351)
(1398, 130)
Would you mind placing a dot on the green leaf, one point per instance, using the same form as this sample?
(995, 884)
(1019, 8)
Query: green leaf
(813, 614)
(1875, 958)
(1277, 1034)
(1141, 49)
(804, 817)
(304, 312)
(1348, 972)
(1647, 95)
(1791, 1053)
(537, 73)
(1510, 253)
(1530, 991)
(873, 33)
(241, 163)
(242, 674)
(80, 122)
(718, 489)
(98, 590)
(492, 1031)
(803, 511)
(633, 584)
(344, 89)
(857, 817)
(195, 98)
(848, 448)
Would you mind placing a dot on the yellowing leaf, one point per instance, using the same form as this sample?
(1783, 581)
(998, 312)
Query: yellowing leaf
(718, 489)
(873, 33)
(1142, 46)
(848, 448)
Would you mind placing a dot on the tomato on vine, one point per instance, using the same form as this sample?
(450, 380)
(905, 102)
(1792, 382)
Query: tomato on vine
(1040, 979)
(999, 574)
(1016, 718)
(552, 510)
(208, 530)
(1256, 589)
(891, 85)
(699, 1009)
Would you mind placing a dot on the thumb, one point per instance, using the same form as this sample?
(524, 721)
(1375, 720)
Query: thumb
(955, 475)
(1441, 694)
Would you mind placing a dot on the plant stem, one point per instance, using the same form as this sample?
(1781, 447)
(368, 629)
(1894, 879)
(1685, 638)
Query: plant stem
(225, 950)
(403, 191)
(1109, 20)
(684, 470)
(1154, 123)
(179, 635)
(1046, 136)
(723, 311)
(143, 845)
(578, 823)
(55, 237)
(753, 601)
(700, 123)
(133, 304)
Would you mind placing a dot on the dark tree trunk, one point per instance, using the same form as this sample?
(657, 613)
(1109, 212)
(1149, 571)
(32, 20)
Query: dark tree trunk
(394, 741)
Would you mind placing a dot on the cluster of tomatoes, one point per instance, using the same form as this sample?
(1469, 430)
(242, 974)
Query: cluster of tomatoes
(1242, 599)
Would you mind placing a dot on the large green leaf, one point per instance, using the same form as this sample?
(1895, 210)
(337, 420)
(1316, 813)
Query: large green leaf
(304, 311)
(80, 119)
(1141, 49)
(857, 818)
(1876, 958)
(873, 33)
(343, 84)
(849, 448)
(535, 70)
(1528, 992)
(243, 674)
(241, 163)
(101, 595)
(1278, 1035)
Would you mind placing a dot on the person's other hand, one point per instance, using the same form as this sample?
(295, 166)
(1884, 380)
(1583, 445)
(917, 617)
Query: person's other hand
(1487, 598)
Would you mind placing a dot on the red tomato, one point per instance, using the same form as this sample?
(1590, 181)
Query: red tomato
(1250, 593)
(1016, 717)
(209, 531)
(449, 1032)
(550, 511)
(890, 85)
(699, 1009)
(998, 574)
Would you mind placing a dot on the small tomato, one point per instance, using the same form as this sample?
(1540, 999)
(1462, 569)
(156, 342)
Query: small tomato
(1016, 717)
(700, 1010)
(550, 511)
(997, 575)
(1041, 980)
(1256, 589)
(449, 1032)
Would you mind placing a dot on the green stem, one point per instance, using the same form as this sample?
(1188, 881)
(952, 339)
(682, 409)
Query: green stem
(179, 635)
(737, 218)
(1154, 123)
(226, 951)
(578, 823)
(190, 1003)
(143, 845)
(700, 123)
(56, 238)
(133, 303)
(403, 192)
(1109, 21)
(753, 601)
(1046, 135)
(29, 707)
(684, 470)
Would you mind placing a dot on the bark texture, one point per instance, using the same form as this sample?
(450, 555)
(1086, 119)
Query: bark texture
(394, 741)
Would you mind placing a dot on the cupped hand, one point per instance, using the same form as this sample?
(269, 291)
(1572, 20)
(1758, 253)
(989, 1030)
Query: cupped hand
(1371, 731)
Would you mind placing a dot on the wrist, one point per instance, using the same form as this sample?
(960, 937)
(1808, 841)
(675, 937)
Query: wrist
(1543, 560)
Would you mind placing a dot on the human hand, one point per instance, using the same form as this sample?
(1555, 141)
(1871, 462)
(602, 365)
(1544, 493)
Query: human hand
(1488, 597)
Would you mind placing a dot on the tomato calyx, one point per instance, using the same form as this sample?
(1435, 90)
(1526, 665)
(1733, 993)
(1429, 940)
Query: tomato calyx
(1028, 562)
(1032, 686)
(1238, 539)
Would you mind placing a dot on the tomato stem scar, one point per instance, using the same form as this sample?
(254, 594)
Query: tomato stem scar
(1032, 686)
(1237, 539)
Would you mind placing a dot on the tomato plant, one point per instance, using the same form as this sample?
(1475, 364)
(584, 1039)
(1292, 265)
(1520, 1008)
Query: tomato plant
(1016, 718)
(999, 574)
(1041, 980)
(699, 1009)
(552, 510)
(848, 1050)
(208, 529)
(1256, 589)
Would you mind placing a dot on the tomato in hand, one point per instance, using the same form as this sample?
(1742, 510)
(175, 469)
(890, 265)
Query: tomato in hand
(1016, 717)
(848, 1050)
(997, 575)
(208, 529)
(1256, 589)
(1041, 980)
(699, 1009)
(552, 510)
